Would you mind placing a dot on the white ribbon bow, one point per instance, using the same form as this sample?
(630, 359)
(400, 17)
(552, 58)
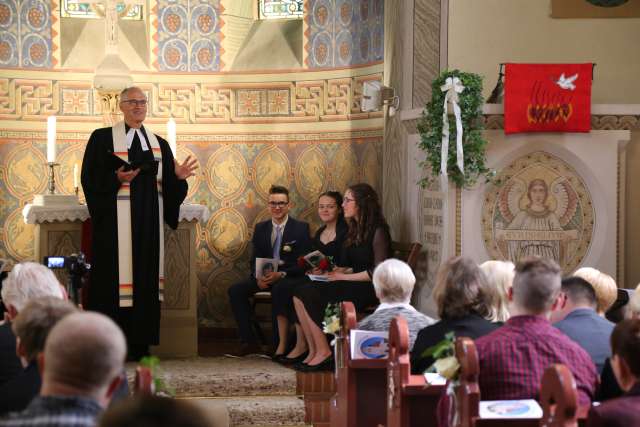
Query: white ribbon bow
(453, 86)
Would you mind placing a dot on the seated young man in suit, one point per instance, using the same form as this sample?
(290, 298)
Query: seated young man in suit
(576, 316)
(623, 411)
(281, 237)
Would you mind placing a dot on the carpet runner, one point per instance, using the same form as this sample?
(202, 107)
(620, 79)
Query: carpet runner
(250, 391)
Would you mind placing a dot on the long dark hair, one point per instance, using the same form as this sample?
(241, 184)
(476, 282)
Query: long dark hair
(369, 215)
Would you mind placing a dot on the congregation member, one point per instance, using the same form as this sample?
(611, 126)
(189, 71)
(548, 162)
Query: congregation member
(625, 410)
(26, 281)
(281, 237)
(513, 358)
(132, 185)
(576, 316)
(31, 327)
(500, 274)
(157, 411)
(604, 286)
(466, 304)
(367, 244)
(328, 239)
(393, 282)
(81, 364)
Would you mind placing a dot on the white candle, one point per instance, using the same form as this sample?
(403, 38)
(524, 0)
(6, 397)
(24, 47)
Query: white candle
(75, 175)
(171, 136)
(51, 139)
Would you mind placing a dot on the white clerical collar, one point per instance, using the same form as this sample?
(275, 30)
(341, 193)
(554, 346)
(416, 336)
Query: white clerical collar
(388, 305)
(282, 224)
(143, 140)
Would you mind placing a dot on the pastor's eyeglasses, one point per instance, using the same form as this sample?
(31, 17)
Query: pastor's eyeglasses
(136, 102)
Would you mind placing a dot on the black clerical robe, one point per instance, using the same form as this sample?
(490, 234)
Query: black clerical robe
(141, 323)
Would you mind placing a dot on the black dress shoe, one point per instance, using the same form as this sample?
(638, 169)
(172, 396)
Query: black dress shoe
(290, 361)
(300, 366)
(326, 365)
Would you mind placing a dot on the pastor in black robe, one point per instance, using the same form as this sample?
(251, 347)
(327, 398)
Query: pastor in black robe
(140, 323)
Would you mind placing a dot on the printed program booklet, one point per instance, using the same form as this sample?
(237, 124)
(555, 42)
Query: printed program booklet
(526, 408)
(266, 265)
(318, 277)
(369, 344)
(314, 258)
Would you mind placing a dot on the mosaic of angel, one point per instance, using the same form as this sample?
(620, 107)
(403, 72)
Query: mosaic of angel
(539, 219)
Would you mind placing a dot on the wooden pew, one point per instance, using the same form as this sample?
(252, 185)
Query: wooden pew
(360, 398)
(143, 383)
(558, 395)
(559, 398)
(410, 400)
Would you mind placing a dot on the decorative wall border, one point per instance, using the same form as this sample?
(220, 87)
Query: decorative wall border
(496, 121)
(316, 100)
(598, 122)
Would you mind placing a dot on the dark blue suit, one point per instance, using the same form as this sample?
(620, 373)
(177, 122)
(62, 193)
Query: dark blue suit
(296, 241)
(590, 331)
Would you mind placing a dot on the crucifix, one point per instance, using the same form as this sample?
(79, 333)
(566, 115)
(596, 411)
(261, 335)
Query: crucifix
(112, 74)
(111, 20)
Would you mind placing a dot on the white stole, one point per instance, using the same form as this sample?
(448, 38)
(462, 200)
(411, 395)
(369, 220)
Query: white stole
(125, 249)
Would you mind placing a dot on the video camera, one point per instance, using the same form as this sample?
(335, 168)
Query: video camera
(77, 268)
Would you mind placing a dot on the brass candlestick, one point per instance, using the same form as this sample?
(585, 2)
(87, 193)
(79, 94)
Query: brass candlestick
(52, 177)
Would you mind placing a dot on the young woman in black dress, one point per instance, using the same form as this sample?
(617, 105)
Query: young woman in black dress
(328, 240)
(367, 244)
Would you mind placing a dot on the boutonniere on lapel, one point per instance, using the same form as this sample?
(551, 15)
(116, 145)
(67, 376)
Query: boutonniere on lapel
(287, 246)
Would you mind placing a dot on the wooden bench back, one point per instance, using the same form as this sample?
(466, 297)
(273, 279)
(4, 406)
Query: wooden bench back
(559, 398)
(407, 252)
(143, 383)
(360, 384)
(410, 401)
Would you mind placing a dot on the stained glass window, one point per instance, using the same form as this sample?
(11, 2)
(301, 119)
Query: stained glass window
(276, 9)
(78, 9)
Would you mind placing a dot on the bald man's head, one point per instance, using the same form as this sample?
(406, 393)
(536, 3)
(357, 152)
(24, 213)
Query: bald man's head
(84, 351)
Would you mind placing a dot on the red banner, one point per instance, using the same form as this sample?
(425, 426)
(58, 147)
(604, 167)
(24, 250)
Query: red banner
(547, 98)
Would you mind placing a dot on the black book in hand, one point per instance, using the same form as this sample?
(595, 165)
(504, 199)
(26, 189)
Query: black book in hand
(117, 163)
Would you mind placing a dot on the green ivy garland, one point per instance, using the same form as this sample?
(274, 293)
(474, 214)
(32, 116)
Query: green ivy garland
(430, 129)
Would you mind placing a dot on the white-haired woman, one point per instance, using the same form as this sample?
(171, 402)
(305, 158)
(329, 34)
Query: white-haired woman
(500, 274)
(393, 282)
(27, 281)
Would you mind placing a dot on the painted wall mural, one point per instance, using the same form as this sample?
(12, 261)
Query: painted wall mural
(188, 35)
(540, 207)
(330, 99)
(235, 175)
(299, 128)
(25, 33)
(344, 32)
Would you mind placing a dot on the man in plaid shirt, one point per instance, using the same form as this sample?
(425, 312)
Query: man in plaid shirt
(514, 357)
